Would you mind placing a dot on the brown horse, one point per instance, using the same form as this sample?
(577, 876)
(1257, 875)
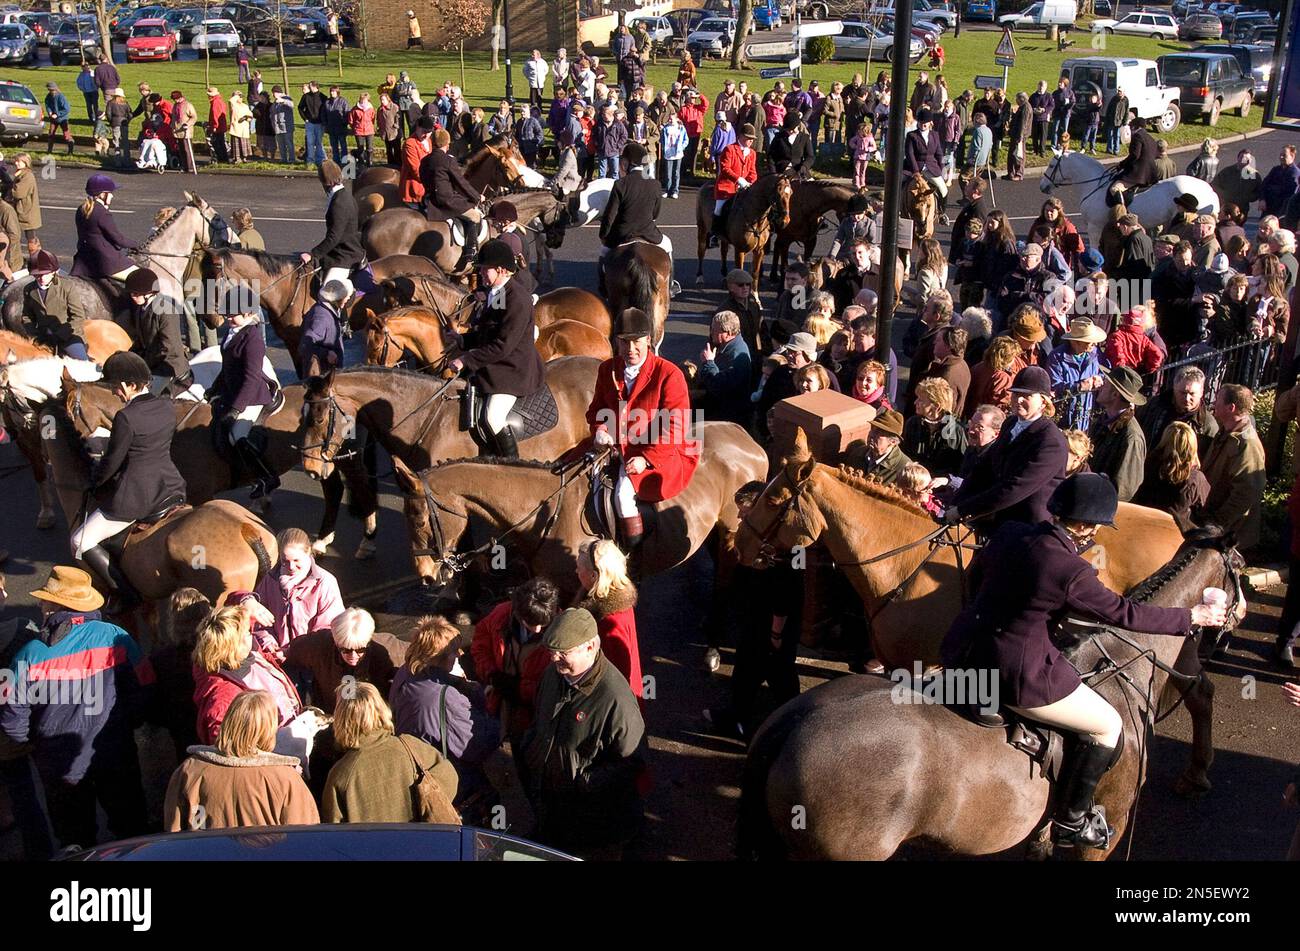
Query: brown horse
(515, 493)
(921, 205)
(415, 330)
(869, 765)
(375, 198)
(640, 275)
(207, 473)
(375, 175)
(216, 547)
(810, 202)
(283, 284)
(416, 417)
(569, 338)
(913, 596)
(754, 214)
(15, 347)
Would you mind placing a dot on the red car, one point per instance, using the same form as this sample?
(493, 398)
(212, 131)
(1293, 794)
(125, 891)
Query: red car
(150, 39)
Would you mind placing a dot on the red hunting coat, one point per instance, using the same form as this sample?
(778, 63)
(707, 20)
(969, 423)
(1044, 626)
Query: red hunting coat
(653, 421)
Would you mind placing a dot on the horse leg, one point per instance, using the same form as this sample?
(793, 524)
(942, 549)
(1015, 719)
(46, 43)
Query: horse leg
(780, 255)
(332, 490)
(46, 518)
(758, 268)
(367, 501)
(1199, 697)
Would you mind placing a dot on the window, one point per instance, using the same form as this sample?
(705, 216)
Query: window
(1153, 77)
(15, 93)
(11, 31)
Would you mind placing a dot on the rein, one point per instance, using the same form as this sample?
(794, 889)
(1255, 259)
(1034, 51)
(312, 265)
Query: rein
(1106, 177)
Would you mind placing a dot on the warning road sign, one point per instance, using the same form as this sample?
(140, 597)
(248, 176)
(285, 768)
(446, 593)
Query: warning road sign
(1007, 47)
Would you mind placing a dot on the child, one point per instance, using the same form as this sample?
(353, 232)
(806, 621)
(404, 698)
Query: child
(791, 308)
(241, 57)
(672, 146)
(770, 366)
(723, 135)
(916, 484)
(101, 135)
(862, 146)
(1092, 121)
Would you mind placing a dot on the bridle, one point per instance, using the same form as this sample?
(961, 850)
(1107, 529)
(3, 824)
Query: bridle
(1054, 168)
(331, 427)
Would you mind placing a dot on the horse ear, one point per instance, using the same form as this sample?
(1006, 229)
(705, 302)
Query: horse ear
(69, 384)
(407, 481)
(189, 199)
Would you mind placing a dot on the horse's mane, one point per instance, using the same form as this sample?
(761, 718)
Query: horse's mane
(481, 156)
(264, 259)
(530, 190)
(165, 226)
(41, 378)
(643, 283)
(510, 463)
(367, 370)
(1197, 540)
(879, 490)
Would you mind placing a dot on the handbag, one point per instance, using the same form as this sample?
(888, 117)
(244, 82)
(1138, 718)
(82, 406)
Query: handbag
(431, 803)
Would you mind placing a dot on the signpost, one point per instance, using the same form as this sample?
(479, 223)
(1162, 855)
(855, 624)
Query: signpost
(1005, 55)
(781, 48)
(782, 72)
(990, 82)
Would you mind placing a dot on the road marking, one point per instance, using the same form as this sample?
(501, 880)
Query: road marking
(313, 220)
(115, 211)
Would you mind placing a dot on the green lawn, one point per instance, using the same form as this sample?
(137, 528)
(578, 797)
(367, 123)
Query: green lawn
(967, 57)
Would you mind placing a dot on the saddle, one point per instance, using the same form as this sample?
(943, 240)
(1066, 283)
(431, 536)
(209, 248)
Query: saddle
(1043, 745)
(531, 415)
(142, 528)
(457, 228)
(600, 513)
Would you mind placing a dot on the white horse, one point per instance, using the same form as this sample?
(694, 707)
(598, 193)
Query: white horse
(592, 201)
(1155, 206)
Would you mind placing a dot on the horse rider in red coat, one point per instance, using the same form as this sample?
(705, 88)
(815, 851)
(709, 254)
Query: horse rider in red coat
(737, 170)
(642, 407)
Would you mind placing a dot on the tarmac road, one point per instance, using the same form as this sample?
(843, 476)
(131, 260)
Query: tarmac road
(692, 808)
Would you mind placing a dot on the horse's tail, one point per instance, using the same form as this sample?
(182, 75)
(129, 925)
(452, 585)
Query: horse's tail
(253, 539)
(756, 836)
(643, 284)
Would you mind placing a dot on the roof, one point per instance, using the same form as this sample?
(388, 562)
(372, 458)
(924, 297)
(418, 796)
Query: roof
(150, 21)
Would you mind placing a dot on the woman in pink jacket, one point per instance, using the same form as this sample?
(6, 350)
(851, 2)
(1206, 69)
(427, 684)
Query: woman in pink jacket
(362, 121)
(300, 596)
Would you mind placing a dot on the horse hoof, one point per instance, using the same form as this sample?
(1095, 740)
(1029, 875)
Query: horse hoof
(45, 520)
(1189, 788)
(366, 550)
(321, 546)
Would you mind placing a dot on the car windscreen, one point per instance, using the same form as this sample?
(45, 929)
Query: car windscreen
(16, 94)
(1180, 71)
(713, 26)
(11, 32)
(153, 29)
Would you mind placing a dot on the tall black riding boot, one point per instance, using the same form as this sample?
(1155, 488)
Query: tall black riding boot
(507, 447)
(266, 481)
(123, 594)
(471, 240)
(1079, 823)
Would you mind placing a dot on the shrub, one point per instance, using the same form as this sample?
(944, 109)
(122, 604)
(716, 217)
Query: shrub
(819, 49)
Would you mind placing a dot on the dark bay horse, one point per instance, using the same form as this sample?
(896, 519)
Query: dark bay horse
(283, 283)
(753, 216)
(810, 201)
(639, 274)
(863, 766)
(548, 509)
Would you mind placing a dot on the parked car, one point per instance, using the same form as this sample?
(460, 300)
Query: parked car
(684, 21)
(309, 23)
(1139, 78)
(18, 44)
(1200, 26)
(1158, 26)
(981, 10)
(1252, 33)
(216, 36)
(1208, 83)
(1255, 61)
(767, 14)
(1045, 13)
(182, 22)
(660, 29)
(76, 37)
(1244, 22)
(1102, 8)
(1225, 11)
(711, 38)
(921, 10)
(40, 24)
(858, 39)
(20, 113)
(120, 26)
(150, 39)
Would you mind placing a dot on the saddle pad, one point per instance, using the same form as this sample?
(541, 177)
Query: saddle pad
(142, 530)
(534, 414)
(458, 231)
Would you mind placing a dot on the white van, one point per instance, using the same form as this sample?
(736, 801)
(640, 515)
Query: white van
(1042, 14)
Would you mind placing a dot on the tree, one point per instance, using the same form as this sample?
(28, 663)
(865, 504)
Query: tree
(498, 33)
(744, 16)
(105, 37)
(463, 19)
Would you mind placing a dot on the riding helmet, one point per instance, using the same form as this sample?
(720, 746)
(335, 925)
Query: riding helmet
(858, 204)
(99, 183)
(141, 282)
(504, 211)
(1188, 202)
(791, 121)
(747, 131)
(633, 323)
(1085, 497)
(126, 367)
(43, 262)
(496, 253)
(1032, 380)
(635, 153)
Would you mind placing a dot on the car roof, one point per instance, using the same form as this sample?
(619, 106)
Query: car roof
(151, 21)
(1195, 54)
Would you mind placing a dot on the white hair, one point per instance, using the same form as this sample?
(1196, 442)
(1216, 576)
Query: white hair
(353, 629)
(976, 322)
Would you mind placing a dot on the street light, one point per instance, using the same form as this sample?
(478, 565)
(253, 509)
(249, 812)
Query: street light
(505, 30)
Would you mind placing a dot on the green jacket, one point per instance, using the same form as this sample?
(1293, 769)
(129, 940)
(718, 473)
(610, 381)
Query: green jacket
(1119, 450)
(375, 782)
(1235, 467)
(56, 318)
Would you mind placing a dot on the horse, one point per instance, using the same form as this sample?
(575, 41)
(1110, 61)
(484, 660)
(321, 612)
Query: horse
(383, 271)
(544, 513)
(282, 282)
(1155, 206)
(639, 274)
(912, 591)
(375, 198)
(416, 417)
(754, 214)
(207, 472)
(589, 204)
(810, 201)
(375, 175)
(872, 765)
(217, 547)
(570, 338)
(921, 206)
(26, 383)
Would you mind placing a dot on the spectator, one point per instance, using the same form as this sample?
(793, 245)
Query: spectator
(879, 456)
(1129, 346)
(312, 109)
(529, 134)
(1288, 625)
(348, 650)
(1234, 467)
(1206, 164)
(863, 328)
(282, 112)
(361, 122)
(869, 385)
(981, 430)
(979, 330)
(742, 301)
(1174, 482)
(172, 705)
(692, 114)
(1062, 105)
(726, 372)
(934, 437)
(238, 781)
(1238, 184)
(536, 73)
(388, 122)
(300, 595)
(611, 598)
(1079, 448)
(1075, 369)
(916, 485)
(1119, 448)
(1184, 402)
(241, 128)
(374, 779)
(184, 119)
(949, 364)
(1280, 183)
(931, 274)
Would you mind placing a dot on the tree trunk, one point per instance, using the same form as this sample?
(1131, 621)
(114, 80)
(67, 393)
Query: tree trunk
(279, 51)
(461, 45)
(497, 33)
(360, 21)
(744, 16)
(105, 38)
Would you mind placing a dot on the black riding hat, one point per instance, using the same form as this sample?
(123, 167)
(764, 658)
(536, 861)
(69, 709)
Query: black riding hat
(126, 367)
(791, 121)
(1085, 497)
(633, 323)
(496, 253)
(858, 204)
(141, 281)
(635, 153)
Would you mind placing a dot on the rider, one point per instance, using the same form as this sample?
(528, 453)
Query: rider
(1136, 170)
(504, 219)
(856, 223)
(737, 169)
(242, 390)
(1026, 580)
(100, 245)
(322, 330)
(53, 307)
(499, 352)
(641, 405)
(633, 207)
(139, 465)
(791, 152)
(923, 152)
(340, 251)
(449, 193)
(153, 321)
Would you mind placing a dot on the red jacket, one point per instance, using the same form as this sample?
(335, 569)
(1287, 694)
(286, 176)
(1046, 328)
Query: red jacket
(214, 693)
(1130, 347)
(362, 120)
(692, 116)
(413, 153)
(218, 117)
(488, 648)
(651, 421)
(733, 164)
(616, 622)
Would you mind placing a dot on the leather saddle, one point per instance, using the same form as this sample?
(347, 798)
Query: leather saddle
(457, 228)
(531, 415)
(142, 528)
(601, 514)
(1043, 745)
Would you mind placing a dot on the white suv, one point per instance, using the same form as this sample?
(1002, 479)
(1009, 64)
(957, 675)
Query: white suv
(1140, 79)
(1158, 26)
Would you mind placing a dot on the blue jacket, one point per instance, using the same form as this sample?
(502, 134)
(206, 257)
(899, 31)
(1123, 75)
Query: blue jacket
(417, 702)
(1067, 371)
(529, 133)
(321, 338)
(86, 82)
(56, 104)
(722, 137)
(727, 380)
(336, 116)
(672, 141)
(102, 690)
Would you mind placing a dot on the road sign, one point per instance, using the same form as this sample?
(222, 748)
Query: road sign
(820, 28)
(776, 72)
(796, 63)
(1004, 60)
(781, 49)
(1007, 46)
(988, 82)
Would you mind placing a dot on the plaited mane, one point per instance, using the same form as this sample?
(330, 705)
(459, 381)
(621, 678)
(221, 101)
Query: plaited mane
(878, 490)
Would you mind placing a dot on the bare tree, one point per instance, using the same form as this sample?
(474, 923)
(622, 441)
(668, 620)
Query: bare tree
(105, 37)
(463, 19)
(744, 16)
(498, 33)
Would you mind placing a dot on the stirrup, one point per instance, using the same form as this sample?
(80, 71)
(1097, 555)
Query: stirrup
(1091, 832)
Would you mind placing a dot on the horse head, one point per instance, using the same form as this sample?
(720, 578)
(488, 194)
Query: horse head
(779, 215)
(783, 517)
(555, 223)
(381, 349)
(83, 402)
(427, 543)
(329, 424)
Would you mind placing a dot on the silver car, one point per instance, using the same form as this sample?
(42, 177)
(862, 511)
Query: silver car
(18, 44)
(20, 113)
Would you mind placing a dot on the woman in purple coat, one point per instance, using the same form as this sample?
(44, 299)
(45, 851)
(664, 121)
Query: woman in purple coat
(242, 389)
(1027, 579)
(100, 246)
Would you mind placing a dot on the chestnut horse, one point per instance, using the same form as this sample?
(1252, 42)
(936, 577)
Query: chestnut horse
(570, 338)
(423, 284)
(753, 216)
(440, 502)
(639, 274)
(871, 764)
(375, 175)
(810, 202)
(283, 284)
(922, 206)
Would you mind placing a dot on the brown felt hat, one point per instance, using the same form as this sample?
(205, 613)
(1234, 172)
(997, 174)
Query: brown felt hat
(889, 422)
(70, 587)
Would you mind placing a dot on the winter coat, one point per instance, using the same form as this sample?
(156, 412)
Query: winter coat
(1159, 412)
(26, 202)
(99, 244)
(156, 335)
(314, 663)
(375, 782)
(282, 116)
(615, 616)
(388, 122)
(1238, 186)
(215, 692)
(631, 211)
(988, 387)
(322, 338)
(938, 447)
(184, 118)
(1277, 188)
(336, 113)
(1130, 347)
(497, 650)
(312, 107)
(1234, 467)
(1014, 479)
(311, 604)
(56, 316)
(242, 382)
(1139, 166)
(1119, 450)
(444, 710)
(341, 246)
(138, 462)
(736, 163)
(410, 183)
(924, 155)
(211, 790)
(218, 116)
(791, 158)
(361, 120)
(727, 380)
(446, 189)
(499, 348)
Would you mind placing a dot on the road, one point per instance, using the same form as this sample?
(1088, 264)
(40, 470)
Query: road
(692, 806)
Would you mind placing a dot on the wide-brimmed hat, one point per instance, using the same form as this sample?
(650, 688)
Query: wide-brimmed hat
(496, 253)
(1032, 380)
(70, 587)
(1088, 497)
(889, 422)
(1027, 328)
(632, 324)
(1127, 382)
(738, 275)
(1188, 202)
(1081, 328)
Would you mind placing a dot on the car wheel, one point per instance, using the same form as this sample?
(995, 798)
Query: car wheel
(1244, 109)
(1158, 37)
(889, 54)
(1170, 119)
(1212, 117)
(56, 59)
(1108, 31)
(818, 11)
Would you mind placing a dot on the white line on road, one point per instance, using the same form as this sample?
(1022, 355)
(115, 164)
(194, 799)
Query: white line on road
(313, 220)
(116, 211)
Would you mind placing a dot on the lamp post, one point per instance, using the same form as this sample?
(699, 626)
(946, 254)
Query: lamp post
(894, 173)
(505, 30)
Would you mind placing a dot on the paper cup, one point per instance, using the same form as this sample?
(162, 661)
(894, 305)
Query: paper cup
(1215, 597)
